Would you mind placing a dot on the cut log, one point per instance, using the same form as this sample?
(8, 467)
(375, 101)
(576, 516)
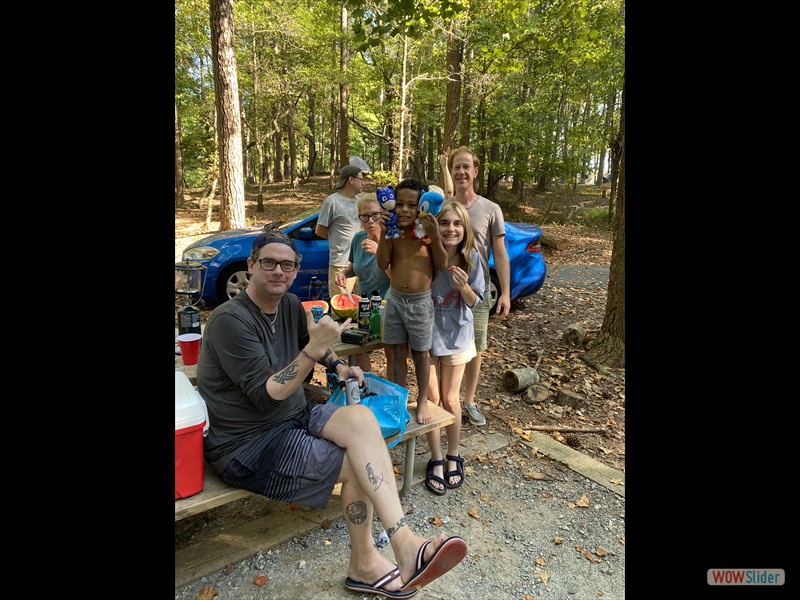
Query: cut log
(536, 394)
(574, 335)
(571, 399)
(519, 380)
(554, 242)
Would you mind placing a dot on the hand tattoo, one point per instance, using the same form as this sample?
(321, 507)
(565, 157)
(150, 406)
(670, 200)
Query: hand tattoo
(391, 531)
(357, 512)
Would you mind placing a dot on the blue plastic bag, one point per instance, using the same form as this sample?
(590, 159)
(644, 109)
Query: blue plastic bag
(388, 405)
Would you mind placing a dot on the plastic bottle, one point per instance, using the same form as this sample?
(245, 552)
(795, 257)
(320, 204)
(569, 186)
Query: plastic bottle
(375, 316)
(315, 289)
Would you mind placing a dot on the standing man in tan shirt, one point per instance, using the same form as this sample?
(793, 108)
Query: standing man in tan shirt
(489, 229)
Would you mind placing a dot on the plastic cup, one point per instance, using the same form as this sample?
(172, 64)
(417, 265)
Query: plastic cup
(190, 347)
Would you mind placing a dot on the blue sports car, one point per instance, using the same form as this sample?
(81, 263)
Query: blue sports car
(225, 256)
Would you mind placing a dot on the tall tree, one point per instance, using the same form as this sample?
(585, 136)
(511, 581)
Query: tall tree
(344, 90)
(609, 345)
(179, 184)
(229, 128)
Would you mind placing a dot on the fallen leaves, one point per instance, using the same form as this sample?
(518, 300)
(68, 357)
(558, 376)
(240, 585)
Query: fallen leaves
(544, 577)
(435, 521)
(617, 481)
(587, 555)
(260, 580)
(207, 593)
(534, 475)
(582, 502)
(473, 512)
(558, 539)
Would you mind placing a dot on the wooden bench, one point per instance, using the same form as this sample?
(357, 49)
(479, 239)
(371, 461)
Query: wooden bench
(216, 492)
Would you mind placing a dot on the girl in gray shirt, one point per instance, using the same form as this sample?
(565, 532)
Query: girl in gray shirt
(455, 292)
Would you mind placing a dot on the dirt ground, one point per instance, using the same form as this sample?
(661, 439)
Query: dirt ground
(498, 482)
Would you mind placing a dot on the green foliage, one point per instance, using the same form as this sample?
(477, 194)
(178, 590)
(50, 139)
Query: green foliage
(596, 217)
(384, 178)
(539, 74)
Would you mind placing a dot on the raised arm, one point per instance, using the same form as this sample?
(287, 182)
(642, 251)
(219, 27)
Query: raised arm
(447, 179)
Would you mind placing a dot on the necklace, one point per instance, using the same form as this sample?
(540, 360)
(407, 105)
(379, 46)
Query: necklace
(275, 318)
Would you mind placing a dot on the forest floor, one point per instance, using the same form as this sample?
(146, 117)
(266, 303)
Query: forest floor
(574, 292)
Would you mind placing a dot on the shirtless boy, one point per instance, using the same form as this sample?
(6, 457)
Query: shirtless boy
(408, 320)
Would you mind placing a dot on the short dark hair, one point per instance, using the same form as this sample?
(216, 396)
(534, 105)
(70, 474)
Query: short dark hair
(412, 184)
(273, 237)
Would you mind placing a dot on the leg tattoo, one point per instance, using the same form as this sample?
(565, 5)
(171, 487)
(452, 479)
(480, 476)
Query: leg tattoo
(391, 531)
(357, 512)
(373, 478)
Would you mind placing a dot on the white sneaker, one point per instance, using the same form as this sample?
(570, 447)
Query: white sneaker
(474, 414)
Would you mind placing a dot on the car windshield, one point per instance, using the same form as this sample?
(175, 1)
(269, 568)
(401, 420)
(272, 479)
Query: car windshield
(297, 219)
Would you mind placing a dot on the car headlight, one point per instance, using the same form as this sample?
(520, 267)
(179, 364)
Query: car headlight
(200, 253)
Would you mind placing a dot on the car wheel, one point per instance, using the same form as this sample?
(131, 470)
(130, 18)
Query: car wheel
(232, 281)
(494, 289)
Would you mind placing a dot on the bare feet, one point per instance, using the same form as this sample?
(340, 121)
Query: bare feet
(423, 411)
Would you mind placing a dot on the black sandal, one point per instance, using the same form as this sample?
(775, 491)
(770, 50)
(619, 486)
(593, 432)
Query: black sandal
(459, 472)
(436, 478)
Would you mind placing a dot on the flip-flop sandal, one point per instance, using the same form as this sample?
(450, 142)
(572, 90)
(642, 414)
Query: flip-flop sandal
(436, 478)
(459, 472)
(448, 555)
(377, 587)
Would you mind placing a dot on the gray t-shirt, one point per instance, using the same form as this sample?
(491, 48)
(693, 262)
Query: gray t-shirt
(340, 215)
(487, 223)
(238, 354)
(452, 318)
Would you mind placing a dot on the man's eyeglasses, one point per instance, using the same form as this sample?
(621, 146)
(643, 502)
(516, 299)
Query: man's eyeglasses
(269, 264)
(366, 217)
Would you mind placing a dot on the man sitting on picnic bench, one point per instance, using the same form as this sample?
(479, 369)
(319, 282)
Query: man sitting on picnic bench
(266, 437)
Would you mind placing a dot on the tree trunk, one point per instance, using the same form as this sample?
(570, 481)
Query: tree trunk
(312, 135)
(179, 183)
(466, 106)
(609, 345)
(344, 60)
(332, 159)
(453, 89)
(228, 115)
(293, 180)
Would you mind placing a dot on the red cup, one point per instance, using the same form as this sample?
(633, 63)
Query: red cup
(190, 347)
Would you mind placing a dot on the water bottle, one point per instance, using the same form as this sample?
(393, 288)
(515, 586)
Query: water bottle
(315, 289)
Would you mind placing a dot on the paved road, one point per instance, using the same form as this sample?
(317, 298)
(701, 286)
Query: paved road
(577, 275)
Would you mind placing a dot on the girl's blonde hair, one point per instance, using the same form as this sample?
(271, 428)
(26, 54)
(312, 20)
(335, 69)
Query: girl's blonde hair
(467, 243)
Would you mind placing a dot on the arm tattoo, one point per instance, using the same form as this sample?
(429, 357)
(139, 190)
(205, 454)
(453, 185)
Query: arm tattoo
(392, 530)
(373, 478)
(287, 374)
(327, 358)
(357, 512)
